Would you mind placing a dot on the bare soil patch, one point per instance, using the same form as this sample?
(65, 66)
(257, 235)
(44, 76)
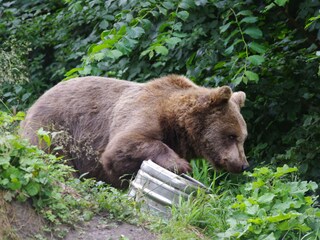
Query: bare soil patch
(20, 221)
(102, 228)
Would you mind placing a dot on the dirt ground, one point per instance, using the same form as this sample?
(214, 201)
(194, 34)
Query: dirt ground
(19, 221)
(100, 228)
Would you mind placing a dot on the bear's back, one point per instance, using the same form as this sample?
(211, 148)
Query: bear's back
(171, 83)
(72, 105)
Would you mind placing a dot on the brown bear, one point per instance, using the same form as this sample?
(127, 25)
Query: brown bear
(108, 126)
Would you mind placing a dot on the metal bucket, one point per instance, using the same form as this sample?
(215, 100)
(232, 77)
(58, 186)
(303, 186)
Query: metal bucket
(158, 189)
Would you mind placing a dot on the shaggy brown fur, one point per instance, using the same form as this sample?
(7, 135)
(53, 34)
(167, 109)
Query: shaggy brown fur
(110, 126)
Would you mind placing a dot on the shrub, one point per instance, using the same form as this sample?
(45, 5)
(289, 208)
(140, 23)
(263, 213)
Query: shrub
(273, 204)
(28, 173)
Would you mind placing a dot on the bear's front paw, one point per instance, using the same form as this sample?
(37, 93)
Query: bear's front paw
(179, 166)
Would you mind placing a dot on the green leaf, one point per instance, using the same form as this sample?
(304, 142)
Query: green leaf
(26, 96)
(163, 26)
(266, 198)
(87, 215)
(293, 224)
(107, 33)
(252, 76)
(281, 3)
(8, 94)
(313, 186)
(135, 32)
(282, 217)
(97, 48)
(173, 41)
(145, 52)
(229, 50)
(249, 20)
(123, 2)
(186, 4)
(8, 196)
(15, 184)
(308, 200)
(253, 32)
(4, 160)
(256, 59)
(161, 50)
(183, 15)
(257, 47)
(4, 182)
(240, 79)
(284, 170)
(33, 188)
(168, 5)
(252, 209)
(151, 54)
(225, 27)
(200, 2)
(245, 13)
(177, 26)
(115, 54)
(98, 56)
(219, 65)
(86, 70)
(257, 221)
(123, 47)
(69, 73)
(270, 237)
(162, 10)
(44, 135)
(122, 30)
(104, 24)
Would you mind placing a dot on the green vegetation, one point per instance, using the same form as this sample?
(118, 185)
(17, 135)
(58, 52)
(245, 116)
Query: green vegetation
(271, 205)
(269, 49)
(30, 174)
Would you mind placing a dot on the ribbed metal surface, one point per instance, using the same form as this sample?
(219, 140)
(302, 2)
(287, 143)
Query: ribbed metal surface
(158, 188)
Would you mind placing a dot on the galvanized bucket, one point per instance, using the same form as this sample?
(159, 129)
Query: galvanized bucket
(158, 189)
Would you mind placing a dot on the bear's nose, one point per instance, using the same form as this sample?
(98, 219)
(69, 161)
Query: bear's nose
(245, 167)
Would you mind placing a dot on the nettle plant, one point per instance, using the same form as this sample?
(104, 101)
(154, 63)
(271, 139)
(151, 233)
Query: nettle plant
(273, 206)
(23, 169)
(28, 173)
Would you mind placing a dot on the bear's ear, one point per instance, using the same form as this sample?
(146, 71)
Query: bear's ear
(239, 98)
(222, 95)
(213, 97)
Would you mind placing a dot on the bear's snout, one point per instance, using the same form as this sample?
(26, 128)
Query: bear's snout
(245, 167)
(234, 166)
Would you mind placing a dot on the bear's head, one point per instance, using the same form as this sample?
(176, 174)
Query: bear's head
(216, 127)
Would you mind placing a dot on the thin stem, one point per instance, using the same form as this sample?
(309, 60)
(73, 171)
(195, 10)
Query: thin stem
(5, 106)
(243, 40)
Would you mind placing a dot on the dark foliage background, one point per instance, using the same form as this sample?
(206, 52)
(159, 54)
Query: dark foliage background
(269, 49)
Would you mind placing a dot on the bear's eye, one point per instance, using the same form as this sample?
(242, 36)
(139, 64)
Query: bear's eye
(232, 137)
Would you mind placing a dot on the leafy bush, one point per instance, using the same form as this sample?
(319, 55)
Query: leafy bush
(273, 204)
(56, 33)
(27, 173)
(13, 58)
